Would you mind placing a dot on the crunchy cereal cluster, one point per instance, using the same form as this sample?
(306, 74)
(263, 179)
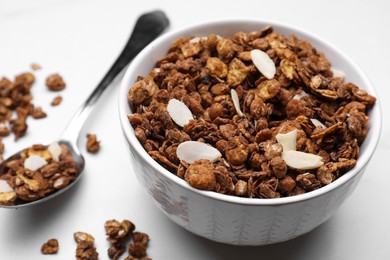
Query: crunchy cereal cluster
(118, 233)
(329, 115)
(38, 172)
(86, 249)
(50, 247)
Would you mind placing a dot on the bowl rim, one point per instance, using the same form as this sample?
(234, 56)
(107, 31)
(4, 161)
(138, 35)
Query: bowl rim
(175, 34)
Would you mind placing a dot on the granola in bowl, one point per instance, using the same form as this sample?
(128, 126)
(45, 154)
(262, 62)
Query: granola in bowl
(255, 114)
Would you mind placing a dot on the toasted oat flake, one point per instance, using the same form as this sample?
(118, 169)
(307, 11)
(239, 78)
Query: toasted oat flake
(302, 161)
(191, 151)
(179, 112)
(34, 162)
(317, 123)
(263, 63)
(55, 151)
(236, 102)
(288, 140)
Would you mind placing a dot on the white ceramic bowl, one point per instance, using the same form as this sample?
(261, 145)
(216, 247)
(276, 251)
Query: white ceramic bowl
(230, 219)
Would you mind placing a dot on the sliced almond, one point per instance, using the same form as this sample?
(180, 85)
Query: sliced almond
(4, 186)
(338, 73)
(55, 151)
(302, 161)
(179, 112)
(34, 162)
(300, 95)
(317, 123)
(191, 151)
(263, 63)
(288, 140)
(236, 102)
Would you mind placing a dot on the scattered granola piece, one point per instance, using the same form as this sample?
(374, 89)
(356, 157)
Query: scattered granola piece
(85, 246)
(55, 82)
(50, 247)
(35, 66)
(38, 113)
(56, 101)
(93, 145)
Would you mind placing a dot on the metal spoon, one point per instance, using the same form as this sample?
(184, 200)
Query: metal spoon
(147, 28)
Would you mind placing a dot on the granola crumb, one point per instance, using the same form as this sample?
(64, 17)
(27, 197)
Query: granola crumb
(35, 66)
(55, 82)
(93, 145)
(56, 101)
(50, 247)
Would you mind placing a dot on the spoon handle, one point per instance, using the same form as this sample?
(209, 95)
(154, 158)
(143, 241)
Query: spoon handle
(147, 28)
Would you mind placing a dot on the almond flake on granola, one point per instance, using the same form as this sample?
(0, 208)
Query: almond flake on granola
(302, 161)
(300, 95)
(288, 140)
(236, 102)
(317, 123)
(34, 162)
(191, 151)
(338, 73)
(263, 63)
(179, 112)
(4, 186)
(55, 151)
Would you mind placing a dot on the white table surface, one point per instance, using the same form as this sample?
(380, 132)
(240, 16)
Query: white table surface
(81, 38)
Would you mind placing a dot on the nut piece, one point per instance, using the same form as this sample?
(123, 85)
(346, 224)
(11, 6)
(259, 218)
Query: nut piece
(179, 112)
(191, 151)
(93, 145)
(288, 140)
(236, 102)
(302, 161)
(263, 63)
(35, 66)
(55, 82)
(34, 162)
(55, 151)
(50, 247)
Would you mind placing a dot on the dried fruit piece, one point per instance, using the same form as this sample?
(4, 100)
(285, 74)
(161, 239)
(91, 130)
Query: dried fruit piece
(179, 112)
(50, 247)
(236, 102)
(34, 162)
(288, 140)
(191, 151)
(263, 63)
(302, 161)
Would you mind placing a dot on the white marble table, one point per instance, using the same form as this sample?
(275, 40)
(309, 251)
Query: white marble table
(80, 39)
